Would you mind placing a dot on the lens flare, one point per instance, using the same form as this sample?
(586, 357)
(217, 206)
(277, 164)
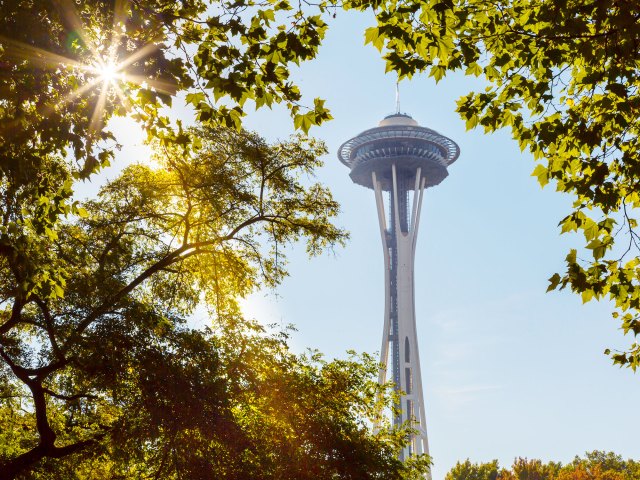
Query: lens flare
(108, 72)
(105, 70)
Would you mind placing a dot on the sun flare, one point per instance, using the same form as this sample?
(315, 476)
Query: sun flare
(104, 68)
(108, 72)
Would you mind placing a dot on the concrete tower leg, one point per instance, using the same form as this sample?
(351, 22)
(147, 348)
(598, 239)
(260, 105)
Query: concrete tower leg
(399, 246)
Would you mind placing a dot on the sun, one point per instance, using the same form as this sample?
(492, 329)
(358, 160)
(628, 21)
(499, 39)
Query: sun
(104, 69)
(108, 72)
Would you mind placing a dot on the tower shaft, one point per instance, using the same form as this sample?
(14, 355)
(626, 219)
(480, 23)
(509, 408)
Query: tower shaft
(402, 158)
(399, 336)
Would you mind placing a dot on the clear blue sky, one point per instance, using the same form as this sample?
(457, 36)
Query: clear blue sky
(508, 370)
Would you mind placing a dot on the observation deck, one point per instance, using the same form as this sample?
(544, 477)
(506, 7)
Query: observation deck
(399, 140)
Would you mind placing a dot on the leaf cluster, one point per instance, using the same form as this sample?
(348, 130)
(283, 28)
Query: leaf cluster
(596, 465)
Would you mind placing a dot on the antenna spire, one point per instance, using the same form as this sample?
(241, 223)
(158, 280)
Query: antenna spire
(398, 97)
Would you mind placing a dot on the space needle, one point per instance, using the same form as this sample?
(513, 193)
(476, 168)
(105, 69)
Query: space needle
(398, 159)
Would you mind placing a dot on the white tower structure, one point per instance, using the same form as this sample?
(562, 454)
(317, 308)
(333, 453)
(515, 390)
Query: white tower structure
(398, 160)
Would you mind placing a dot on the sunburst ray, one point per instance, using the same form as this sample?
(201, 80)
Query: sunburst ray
(102, 67)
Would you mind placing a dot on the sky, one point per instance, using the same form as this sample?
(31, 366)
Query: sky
(508, 370)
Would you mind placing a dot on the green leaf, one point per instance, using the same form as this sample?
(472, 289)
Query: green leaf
(372, 36)
(195, 98)
(554, 281)
(474, 69)
(542, 173)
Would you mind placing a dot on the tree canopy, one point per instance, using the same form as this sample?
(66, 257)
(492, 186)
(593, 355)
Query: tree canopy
(563, 76)
(98, 360)
(110, 371)
(595, 465)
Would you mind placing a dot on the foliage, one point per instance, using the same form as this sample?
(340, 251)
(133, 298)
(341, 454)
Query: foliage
(101, 375)
(238, 405)
(563, 77)
(67, 67)
(107, 380)
(600, 466)
(595, 465)
(54, 103)
(473, 471)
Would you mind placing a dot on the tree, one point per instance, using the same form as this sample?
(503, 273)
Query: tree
(596, 465)
(473, 471)
(600, 466)
(522, 469)
(64, 75)
(110, 372)
(563, 77)
(247, 417)
(525, 469)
